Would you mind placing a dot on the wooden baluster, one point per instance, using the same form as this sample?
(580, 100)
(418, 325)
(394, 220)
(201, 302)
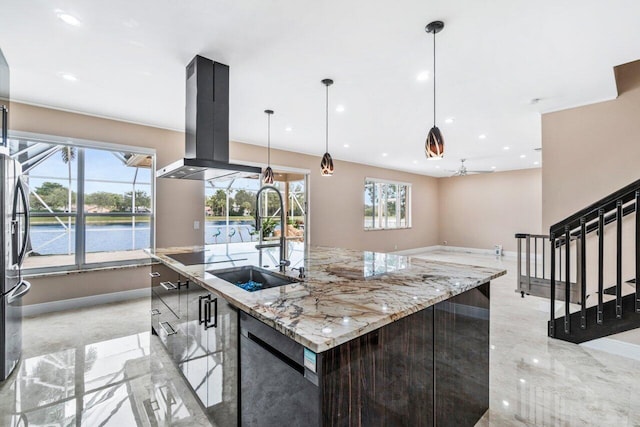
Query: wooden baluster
(552, 289)
(600, 264)
(583, 274)
(619, 260)
(637, 252)
(567, 280)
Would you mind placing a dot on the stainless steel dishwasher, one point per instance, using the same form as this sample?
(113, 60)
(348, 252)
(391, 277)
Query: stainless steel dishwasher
(276, 388)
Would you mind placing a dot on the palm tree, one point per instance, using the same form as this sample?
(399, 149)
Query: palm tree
(68, 154)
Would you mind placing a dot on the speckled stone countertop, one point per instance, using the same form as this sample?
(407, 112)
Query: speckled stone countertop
(346, 293)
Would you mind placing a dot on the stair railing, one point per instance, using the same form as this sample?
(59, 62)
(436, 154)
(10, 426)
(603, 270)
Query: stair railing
(526, 280)
(576, 227)
(533, 270)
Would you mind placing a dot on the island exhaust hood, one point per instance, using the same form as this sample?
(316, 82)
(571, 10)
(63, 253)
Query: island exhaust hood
(207, 127)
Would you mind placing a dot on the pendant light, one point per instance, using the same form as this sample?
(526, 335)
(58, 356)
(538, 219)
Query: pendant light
(326, 166)
(434, 145)
(268, 172)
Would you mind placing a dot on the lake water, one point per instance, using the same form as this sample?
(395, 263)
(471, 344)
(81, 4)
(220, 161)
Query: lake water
(50, 239)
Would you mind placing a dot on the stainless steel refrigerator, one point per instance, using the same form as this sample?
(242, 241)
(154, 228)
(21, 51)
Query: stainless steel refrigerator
(14, 236)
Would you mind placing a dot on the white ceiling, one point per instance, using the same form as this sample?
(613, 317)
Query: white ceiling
(494, 57)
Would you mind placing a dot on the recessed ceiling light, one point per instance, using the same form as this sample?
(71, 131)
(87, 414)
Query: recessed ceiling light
(68, 19)
(536, 163)
(449, 120)
(437, 167)
(482, 136)
(288, 129)
(505, 403)
(68, 77)
(422, 76)
(522, 156)
(340, 108)
(493, 167)
(346, 145)
(384, 154)
(415, 162)
(505, 147)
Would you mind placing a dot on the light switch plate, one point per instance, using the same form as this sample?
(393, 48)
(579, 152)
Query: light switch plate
(196, 225)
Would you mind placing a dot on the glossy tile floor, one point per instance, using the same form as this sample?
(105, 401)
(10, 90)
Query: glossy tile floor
(92, 367)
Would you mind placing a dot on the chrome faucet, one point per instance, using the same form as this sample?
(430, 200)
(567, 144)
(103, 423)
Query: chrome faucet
(284, 262)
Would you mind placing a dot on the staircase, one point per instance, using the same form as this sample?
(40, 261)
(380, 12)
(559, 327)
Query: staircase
(568, 253)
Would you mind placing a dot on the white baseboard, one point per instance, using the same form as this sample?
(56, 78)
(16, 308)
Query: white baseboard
(415, 251)
(454, 249)
(73, 303)
(613, 346)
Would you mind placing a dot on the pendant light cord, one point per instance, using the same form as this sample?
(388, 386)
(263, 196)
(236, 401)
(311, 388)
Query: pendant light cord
(269, 140)
(327, 122)
(434, 79)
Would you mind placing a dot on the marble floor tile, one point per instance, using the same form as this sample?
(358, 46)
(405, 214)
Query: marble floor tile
(539, 381)
(96, 366)
(93, 367)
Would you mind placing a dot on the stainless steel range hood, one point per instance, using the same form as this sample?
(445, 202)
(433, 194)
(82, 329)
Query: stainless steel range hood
(207, 127)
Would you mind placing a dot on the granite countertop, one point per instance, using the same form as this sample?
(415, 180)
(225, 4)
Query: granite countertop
(346, 293)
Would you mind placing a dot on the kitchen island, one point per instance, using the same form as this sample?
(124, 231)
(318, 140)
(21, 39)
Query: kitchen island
(370, 339)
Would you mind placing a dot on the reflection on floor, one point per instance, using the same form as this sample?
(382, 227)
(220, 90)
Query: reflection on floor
(92, 367)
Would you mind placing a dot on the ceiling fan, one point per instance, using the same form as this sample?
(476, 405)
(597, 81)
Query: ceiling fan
(462, 170)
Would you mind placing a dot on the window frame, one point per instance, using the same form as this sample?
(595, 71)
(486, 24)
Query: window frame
(80, 215)
(379, 182)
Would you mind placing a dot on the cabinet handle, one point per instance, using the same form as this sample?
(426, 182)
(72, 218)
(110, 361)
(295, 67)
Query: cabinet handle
(201, 320)
(164, 328)
(207, 323)
(154, 274)
(168, 286)
(185, 284)
(155, 312)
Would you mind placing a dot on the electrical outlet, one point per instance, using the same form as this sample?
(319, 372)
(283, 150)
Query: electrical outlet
(196, 225)
(395, 246)
(444, 243)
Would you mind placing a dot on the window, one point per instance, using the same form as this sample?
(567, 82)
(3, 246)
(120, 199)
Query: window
(90, 206)
(230, 218)
(387, 204)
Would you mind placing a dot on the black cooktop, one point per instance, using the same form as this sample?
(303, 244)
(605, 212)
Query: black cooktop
(202, 257)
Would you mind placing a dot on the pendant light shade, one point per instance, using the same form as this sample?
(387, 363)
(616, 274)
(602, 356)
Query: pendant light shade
(434, 145)
(326, 165)
(268, 172)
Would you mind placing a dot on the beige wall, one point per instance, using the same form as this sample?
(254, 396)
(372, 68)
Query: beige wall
(178, 203)
(480, 211)
(88, 283)
(336, 203)
(589, 152)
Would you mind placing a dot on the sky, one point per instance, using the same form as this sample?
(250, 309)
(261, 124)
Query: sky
(99, 165)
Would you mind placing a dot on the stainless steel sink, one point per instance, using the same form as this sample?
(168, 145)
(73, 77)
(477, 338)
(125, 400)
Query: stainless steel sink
(252, 278)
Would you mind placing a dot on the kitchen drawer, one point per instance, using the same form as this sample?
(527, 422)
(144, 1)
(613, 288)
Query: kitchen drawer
(169, 333)
(167, 283)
